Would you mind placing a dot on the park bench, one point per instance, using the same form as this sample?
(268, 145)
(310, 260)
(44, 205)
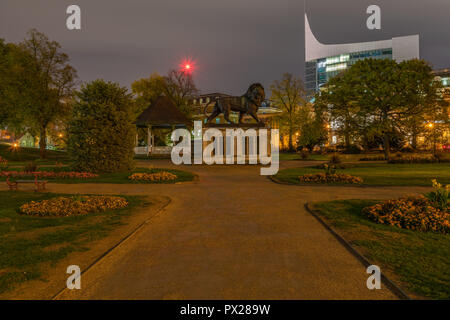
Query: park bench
(39, 184)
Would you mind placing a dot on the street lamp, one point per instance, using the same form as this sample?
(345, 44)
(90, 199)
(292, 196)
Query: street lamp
(432, 127)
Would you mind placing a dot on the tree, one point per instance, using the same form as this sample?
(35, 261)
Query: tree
(312, 133)
(421, 94)
(336, 99)
(46, 83)
(147, 90)
(101, 133)
(290, 95)
(384, 96)
(179, 86)
(10, 72)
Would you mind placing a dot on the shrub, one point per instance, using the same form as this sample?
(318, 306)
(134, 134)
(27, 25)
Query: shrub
(352, 149)
(441, 157)
(413, 213)
(69, 206)
(30, 167)
(402, 159)
(407, 149)
(372, 158)
(157, 176)
(440, 196)
(335, 159)
(3, 164)
(329, 169)
(304, 154)
(101, 133)
(58, 167)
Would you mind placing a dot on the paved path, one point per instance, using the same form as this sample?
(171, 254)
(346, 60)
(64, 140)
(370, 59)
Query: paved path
(231, 235)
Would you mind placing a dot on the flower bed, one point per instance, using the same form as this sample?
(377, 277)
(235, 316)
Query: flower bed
(413, 213)
(331, 178)
(50, 174)
(157, 176)
(69, 206)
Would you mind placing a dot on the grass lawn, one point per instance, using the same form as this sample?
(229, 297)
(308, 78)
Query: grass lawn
(419, 262)
(22, 156)
(29, 243)
(382, 174)
(122, 178)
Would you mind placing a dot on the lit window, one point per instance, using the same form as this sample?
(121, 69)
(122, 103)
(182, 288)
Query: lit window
(337, 67)
(344, 57)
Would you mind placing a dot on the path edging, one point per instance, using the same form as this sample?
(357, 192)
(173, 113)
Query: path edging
(387, 282)
(128, 236)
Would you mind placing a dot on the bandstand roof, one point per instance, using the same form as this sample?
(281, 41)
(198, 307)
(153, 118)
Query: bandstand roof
(162, 113)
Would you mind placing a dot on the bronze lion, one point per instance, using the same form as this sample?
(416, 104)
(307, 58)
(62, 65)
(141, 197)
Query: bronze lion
(248, 103)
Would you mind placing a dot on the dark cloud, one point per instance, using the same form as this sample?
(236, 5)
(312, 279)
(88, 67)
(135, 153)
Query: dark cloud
(234, 42)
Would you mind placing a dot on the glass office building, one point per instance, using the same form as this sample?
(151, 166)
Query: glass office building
(325, 61)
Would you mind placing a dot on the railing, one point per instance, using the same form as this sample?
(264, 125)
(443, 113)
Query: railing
(141, 150)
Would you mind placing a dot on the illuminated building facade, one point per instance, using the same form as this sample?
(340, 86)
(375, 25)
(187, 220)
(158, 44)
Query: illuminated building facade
(325, 61)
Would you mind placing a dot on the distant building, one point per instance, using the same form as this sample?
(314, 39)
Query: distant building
(444, 76)
(323, 62)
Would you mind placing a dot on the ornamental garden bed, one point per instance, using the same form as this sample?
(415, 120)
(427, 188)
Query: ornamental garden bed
(65, 206)
(33, 244)
(154, 177)
(139, 175)
(377, 174)
(417, 261)
(333, 178)
(409, 237)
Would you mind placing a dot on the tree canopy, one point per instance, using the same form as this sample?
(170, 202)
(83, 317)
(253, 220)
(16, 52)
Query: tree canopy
(290, 95)
(381, 97)
(37, 84)
(101, 132)
(178, 86)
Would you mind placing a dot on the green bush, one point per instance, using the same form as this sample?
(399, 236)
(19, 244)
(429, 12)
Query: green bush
(101, 133)
(304, 154)
(352, 149)
(372, 158)
(335, 159)
(440, 196)
(30, 167)
(3, 164)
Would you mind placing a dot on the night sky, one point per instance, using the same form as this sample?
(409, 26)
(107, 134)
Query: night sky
(233, 42)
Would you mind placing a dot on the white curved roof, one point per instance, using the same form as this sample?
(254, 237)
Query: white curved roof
(403, 48)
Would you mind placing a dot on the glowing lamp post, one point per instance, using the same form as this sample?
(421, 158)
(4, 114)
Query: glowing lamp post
(431, 126)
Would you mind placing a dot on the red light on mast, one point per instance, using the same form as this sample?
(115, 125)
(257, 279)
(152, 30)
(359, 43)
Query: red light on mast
(187, 66)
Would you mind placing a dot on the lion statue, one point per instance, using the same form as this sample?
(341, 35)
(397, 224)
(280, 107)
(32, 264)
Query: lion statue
(248, 103)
